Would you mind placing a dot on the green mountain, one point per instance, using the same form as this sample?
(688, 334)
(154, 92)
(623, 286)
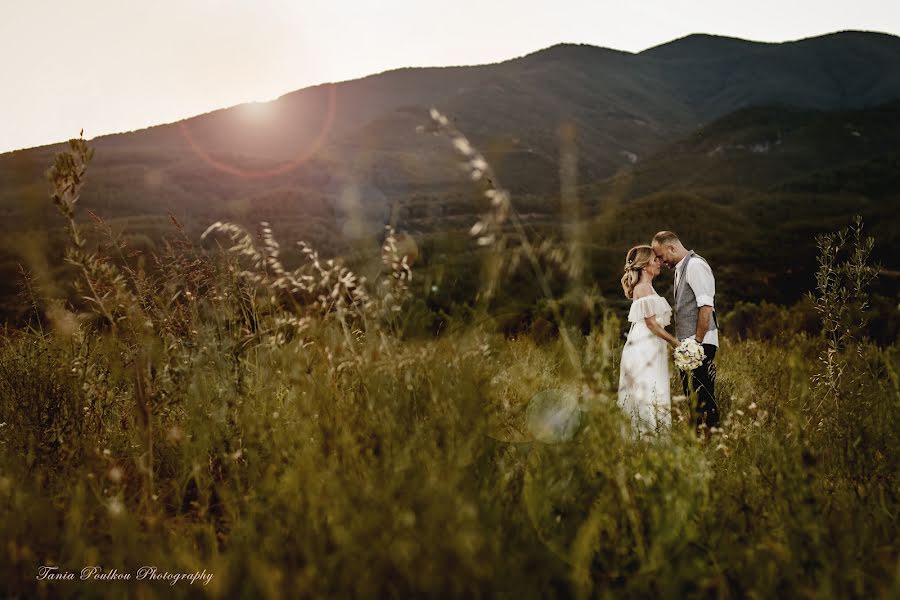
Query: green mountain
(741, 145)
(623, 105)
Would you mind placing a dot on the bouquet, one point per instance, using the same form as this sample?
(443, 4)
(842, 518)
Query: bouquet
(689, 355)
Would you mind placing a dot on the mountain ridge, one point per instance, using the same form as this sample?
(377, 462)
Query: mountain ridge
(678, 49)
(361, 134)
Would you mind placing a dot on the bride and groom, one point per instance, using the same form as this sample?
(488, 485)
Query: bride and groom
(644, 374)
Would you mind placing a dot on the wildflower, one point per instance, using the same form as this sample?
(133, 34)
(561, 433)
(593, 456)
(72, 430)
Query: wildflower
(174, 434)
(115, 507)
(115, 474)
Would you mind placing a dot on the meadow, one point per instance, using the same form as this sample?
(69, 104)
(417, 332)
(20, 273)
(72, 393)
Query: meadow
(291, 431)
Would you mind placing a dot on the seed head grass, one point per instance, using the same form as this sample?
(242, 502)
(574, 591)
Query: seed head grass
(274, 426)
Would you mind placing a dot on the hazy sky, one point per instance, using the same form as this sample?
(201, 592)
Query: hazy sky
(118, 65)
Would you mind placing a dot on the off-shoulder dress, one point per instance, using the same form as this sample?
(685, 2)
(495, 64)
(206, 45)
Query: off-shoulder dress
(644, 373)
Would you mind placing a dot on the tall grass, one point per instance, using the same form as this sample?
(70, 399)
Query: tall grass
(275, 428)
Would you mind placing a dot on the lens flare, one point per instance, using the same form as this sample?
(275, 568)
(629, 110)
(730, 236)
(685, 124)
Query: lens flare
(281, 169)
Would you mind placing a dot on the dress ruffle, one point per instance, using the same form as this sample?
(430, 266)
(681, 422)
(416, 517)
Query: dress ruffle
(649, 306)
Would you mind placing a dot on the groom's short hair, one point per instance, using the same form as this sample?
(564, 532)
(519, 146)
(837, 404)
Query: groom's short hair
(665, 237)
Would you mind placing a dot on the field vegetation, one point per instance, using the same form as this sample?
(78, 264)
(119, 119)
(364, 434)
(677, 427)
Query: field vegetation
(356, 425)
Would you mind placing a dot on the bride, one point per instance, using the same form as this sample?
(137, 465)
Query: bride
(644, 371)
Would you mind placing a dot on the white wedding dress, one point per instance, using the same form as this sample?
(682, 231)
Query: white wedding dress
(644, 372)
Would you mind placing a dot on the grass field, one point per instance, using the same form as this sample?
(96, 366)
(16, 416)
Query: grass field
(281, 431)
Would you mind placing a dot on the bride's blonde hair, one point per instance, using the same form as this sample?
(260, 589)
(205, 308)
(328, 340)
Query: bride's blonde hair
(635, 261)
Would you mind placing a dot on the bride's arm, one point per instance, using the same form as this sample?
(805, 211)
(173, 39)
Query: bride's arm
(659, 331)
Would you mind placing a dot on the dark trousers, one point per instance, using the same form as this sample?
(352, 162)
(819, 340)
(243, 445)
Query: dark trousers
(704, 381)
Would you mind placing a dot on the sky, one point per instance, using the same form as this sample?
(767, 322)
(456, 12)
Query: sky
(109, 66)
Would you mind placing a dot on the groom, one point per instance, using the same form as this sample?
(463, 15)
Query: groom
(695, 317)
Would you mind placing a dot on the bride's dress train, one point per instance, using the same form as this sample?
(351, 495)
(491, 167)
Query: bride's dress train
(644, 374)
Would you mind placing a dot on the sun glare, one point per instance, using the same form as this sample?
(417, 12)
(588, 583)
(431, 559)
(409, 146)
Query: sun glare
(258, 110)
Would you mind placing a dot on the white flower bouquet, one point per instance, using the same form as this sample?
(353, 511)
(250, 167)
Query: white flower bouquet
(689, 355)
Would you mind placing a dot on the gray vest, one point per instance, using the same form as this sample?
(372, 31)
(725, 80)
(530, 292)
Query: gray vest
(686, 311)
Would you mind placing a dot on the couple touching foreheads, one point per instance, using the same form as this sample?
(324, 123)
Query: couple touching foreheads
(644, 376)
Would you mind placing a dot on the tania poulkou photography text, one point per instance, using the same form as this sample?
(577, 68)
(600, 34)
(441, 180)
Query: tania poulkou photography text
(392, 300)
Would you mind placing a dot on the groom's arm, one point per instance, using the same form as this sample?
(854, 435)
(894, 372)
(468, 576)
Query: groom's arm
(701, 280)
(703, 319)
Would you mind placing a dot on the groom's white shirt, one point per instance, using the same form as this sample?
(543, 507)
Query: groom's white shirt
(700, 278)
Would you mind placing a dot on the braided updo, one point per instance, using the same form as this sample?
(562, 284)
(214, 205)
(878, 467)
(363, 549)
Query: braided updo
(635, 261)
